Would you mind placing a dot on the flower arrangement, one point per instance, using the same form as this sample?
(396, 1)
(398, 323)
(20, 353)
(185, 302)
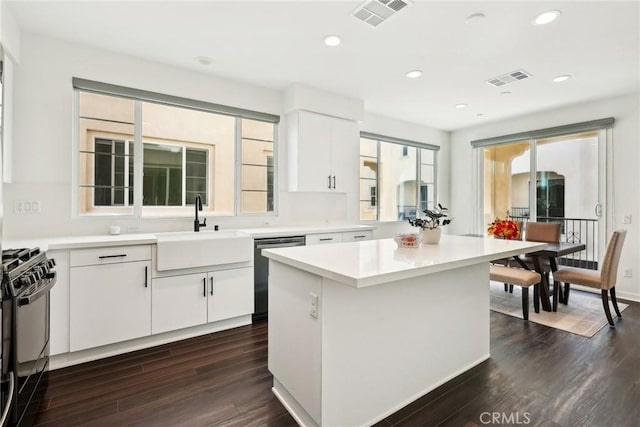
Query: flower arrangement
(504, 229)
(435, 218)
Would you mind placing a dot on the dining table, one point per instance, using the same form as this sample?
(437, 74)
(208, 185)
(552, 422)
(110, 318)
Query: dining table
(552, 252)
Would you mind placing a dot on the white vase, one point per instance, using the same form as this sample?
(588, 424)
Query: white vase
(431, 236)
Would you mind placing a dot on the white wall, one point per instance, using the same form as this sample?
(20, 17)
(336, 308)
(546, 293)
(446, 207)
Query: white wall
(42, 152)
(622, 194)
(43, 122)
(9, 33)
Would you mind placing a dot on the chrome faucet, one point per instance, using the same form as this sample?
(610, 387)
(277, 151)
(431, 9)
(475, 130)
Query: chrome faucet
(196, 222)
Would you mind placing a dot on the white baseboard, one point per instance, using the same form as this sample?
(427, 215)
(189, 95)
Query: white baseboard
(621, 295)
(69, 359)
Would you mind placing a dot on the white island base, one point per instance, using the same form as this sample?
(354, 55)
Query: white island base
(373, 350)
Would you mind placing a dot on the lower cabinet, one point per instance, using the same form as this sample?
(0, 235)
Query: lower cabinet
(109, 303)
(195, 299)
(323, 239)
(348, 236)
(357, 236)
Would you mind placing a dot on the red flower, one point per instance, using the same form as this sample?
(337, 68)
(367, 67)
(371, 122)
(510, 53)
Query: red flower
(504, 228)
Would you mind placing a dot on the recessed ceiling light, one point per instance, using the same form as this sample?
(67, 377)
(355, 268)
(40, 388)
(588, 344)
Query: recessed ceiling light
(461, 106)
(476, 17)
(546, 17)
(332, 40)
(562, 78)
(203, 60)
(506, 92)
(414, 74)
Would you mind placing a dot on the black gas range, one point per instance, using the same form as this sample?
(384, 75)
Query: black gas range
(27, 278)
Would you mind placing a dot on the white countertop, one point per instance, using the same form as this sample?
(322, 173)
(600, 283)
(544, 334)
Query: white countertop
(373, 262)
(258, 233)
(78, 242)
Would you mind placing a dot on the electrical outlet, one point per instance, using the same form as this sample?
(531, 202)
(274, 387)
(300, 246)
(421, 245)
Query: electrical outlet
(313, 305)
(628, 272)
(27, 206)
(626, 219)
(132, 228)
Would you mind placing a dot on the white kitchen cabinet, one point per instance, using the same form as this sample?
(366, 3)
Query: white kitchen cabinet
(347, 236)
(179, 302)
(357, 236)
(230, 294)
(323, 153)
(322, 239)
(109, 298)
(195, 299)
(59, 307)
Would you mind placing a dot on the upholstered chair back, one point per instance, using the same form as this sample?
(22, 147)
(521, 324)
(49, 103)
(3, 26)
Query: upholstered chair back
(609, 271)
(548, 232)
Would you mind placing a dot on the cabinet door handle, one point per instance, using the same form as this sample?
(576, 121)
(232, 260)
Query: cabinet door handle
(329, 182)
(204, 287)
(146, 283)
(211, 280)
(359, 237)
(112, 256)
(326, 239)
(334, 182)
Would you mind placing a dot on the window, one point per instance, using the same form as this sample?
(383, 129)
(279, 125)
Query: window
(111, 183)
(397, 178)
(257, 166)
(170, 154)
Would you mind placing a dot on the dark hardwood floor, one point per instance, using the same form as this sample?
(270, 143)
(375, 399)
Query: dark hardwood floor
(537, 376)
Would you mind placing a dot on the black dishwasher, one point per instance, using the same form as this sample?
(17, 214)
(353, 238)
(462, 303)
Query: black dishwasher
(261, 270)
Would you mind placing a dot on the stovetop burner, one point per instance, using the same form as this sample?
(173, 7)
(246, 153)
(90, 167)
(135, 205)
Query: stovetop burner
(12, 258)
(25, 270)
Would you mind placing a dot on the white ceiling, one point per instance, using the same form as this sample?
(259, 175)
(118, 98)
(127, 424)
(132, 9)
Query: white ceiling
(274, 44)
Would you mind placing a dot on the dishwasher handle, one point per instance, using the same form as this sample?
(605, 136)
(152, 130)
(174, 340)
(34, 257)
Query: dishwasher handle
(278, 245)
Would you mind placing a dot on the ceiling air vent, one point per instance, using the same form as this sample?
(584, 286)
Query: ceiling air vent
(508, 78)
(375, 12)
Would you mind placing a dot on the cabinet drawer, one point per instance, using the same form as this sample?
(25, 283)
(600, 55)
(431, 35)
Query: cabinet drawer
(319, 239)
(109, 255)
(357, 236)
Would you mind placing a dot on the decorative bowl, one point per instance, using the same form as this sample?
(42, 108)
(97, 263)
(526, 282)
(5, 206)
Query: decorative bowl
(408, 240)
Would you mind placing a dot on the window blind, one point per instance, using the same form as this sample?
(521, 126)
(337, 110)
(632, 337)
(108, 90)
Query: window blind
(401, 141)
(143, 95)
(546, 133)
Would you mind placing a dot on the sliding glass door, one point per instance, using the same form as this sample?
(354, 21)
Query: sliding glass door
(506, 174)
(552, 179)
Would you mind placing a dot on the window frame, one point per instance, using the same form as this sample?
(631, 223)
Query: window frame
(404, 143)
(139, 97)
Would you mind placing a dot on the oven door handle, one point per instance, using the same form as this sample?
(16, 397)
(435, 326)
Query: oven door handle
(7, 403)
(26, 300)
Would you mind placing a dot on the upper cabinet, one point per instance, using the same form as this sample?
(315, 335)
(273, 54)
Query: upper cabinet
(323, 153)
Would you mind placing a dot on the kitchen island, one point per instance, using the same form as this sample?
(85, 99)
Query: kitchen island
(360, 330)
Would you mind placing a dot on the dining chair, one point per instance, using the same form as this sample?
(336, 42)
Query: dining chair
(521, 277)
(507, 261)
(604, 279)
(546, 232)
